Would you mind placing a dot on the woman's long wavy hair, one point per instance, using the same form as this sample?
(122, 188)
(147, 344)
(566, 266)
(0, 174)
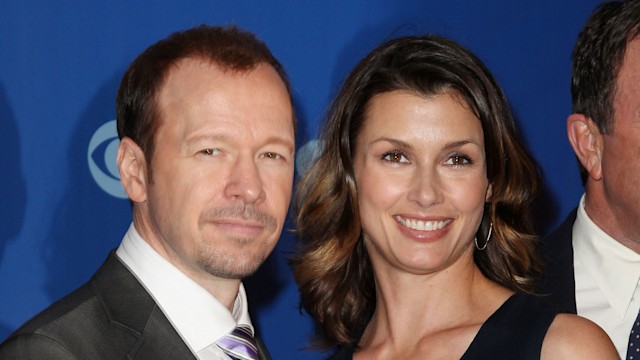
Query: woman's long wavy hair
(331, 265)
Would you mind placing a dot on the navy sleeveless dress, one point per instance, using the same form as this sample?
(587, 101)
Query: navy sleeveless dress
(514, 331)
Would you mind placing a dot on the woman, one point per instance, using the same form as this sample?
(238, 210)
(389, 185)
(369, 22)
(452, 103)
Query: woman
(415, 223)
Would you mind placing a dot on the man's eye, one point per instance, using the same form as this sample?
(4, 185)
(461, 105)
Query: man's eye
(272, 155)
(210, 152)
(395, 157)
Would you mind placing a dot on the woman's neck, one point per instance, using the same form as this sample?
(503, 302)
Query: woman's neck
(411, 308)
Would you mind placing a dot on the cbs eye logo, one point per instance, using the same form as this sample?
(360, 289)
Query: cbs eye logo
(307, 155)
(101, 157)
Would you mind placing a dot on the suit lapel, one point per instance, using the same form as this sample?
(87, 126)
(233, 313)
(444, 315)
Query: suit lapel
(559, 278)
(159, 340)
(130, 307)
(262, 350)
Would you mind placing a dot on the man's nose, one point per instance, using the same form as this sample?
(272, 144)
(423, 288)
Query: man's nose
(245, 182)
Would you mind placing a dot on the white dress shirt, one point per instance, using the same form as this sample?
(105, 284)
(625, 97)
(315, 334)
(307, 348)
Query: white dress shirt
(196, 315)
(606, 274)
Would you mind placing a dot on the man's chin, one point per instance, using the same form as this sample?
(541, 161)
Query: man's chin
(233, 270)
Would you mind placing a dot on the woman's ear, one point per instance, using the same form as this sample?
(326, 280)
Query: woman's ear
(586, 140)
(133, 170)
(489, 193)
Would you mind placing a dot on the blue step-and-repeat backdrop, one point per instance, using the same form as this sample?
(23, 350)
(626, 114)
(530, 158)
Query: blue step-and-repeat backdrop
(61, 205)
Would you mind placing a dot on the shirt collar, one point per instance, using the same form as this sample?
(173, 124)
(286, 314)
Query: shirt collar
(197, 316)
(614, 267)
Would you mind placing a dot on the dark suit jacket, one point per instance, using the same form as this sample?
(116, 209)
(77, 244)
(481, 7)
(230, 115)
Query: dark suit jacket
(558, 280)
(110, 317)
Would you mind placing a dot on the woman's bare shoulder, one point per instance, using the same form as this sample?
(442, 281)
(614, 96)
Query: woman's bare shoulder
(574, 337)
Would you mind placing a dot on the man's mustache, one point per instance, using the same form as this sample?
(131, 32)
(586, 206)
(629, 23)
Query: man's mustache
(244, 212)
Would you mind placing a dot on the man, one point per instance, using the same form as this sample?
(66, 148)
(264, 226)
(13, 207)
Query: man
(206, 157)
(592, 261)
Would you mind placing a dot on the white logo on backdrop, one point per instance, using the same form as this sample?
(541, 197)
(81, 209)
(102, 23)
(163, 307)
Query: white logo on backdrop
(307, 155)
(107, 178)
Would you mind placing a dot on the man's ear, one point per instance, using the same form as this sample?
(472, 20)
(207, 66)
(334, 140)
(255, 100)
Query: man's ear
(133, 170)
(587, 142)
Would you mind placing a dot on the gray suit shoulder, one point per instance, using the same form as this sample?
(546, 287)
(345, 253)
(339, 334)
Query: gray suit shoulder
(75, 327)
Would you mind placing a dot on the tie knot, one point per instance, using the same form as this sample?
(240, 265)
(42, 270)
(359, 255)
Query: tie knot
(239, 344)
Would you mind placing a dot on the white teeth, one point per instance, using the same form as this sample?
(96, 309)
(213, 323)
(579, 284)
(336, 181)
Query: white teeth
(422, 225)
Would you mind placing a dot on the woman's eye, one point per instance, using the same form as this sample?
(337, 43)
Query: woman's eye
(459, 160)
(395, 157)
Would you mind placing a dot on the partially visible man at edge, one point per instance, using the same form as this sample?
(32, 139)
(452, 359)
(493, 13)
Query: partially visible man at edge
(592, 261)
(206, 157)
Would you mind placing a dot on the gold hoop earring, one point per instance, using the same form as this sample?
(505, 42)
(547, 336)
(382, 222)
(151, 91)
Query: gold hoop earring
(475, 239)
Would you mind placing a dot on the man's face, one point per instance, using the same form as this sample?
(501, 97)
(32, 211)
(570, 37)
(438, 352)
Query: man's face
(621, 148)
(222, 169)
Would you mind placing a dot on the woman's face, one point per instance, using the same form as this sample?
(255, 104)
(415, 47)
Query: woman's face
(420, 169)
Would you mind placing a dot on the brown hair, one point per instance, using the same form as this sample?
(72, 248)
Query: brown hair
(228, 47)
(332, 267)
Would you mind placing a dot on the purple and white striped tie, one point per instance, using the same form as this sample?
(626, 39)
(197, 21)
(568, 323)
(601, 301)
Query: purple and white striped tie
(239, 344)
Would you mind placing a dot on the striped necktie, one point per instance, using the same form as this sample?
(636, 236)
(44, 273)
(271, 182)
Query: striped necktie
(239, 344)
